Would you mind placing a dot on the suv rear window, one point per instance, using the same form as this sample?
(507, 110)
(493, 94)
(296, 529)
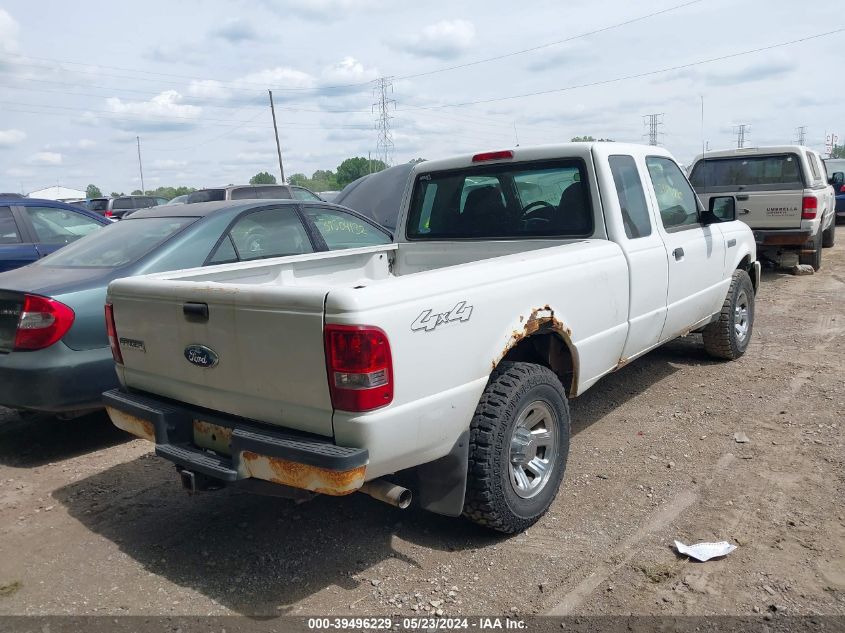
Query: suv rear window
(207, 195)
(754, 173)
(122, 203)
(98, 204)
(272, 192)
(501, 201)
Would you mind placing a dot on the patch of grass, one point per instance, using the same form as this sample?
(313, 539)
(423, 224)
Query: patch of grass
(7, 589)
(658, 572)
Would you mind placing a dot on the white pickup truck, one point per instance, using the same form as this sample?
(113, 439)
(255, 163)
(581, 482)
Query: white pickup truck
(517, 279)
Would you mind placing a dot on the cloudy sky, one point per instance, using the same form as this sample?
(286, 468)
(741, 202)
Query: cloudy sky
(82, 79)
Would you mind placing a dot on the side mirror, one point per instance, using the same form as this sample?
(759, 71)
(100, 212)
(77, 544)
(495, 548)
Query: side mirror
(837, 178)
(722, 209)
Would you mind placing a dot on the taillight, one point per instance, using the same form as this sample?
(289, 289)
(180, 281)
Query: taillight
(842, 189)
(480, 158)
(108, 213)
(360, 368)
(42, 322)
(111, 330)
(809, 206)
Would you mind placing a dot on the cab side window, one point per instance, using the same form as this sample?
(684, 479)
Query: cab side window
(60, 226)
(632, 202)
(675, 198)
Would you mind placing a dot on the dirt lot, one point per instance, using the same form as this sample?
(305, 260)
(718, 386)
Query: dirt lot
(92, 523)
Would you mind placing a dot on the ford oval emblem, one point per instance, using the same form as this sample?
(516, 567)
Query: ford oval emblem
(201, 356)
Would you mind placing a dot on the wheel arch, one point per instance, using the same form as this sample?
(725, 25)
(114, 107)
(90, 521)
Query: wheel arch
(546, 340)
(747, 264)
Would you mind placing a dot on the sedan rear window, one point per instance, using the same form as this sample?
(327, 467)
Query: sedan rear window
(118, 244)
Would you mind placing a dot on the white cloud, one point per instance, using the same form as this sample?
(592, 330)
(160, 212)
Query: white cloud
(16, 172)
(11, 137)
(278, 77)
(85, 143)
(169, 163)
(165, 111)
(8, 32)
(45, 158)
(208, 88)
(255, 158)
(236, 31)
(347, 70)
(444, 40)
(324, 10)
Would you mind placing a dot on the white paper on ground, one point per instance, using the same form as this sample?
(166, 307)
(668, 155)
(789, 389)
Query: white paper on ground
(705, 551)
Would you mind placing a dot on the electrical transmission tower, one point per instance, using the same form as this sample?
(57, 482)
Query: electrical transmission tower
(653, 122)
(740, 134)
(800, 134)
(381, 106)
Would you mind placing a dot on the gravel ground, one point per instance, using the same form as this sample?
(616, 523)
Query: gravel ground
(91, 522)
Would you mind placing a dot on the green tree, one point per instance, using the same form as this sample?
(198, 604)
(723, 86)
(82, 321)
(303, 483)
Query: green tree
(93, 191)
(587, 139)
(298, 180)
(114, 194)
(415, 161)
(263, 178)
(838, 151)
(137, 192)
(353, 168)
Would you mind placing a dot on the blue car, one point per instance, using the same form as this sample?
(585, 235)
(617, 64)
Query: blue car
(54, 347)
(31, 228)
(836, 173)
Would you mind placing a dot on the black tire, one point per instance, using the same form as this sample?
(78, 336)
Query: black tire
(813, 259)
(723, 338)
(515, 393)
(829, 236)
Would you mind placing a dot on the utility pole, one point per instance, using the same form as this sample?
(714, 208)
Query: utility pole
(276, 130)
(140, 165)
(740, 134)
(653, 122)
(800, 134)
(382, 105)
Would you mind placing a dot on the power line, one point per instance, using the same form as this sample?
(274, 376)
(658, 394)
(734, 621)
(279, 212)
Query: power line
(262, 86)
(384, 144)
(542, 46)
(653, 122)
(632, 76)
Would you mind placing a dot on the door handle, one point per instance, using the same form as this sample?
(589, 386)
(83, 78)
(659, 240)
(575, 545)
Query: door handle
(678, 253)
(195, 311)
(742, 197)
(745, 211)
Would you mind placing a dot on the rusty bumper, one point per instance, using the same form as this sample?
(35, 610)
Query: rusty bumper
(231, 450)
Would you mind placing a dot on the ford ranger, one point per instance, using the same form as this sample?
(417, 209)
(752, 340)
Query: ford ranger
(783, 194)
(443, 361)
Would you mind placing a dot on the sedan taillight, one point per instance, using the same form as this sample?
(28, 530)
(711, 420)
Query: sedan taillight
(42, 322)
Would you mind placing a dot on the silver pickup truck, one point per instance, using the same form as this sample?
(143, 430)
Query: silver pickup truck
(782, 193)
(517, 279)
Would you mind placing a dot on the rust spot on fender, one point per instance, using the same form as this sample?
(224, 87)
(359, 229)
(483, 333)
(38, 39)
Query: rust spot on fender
(213, 437)
(304, 476)
(132, 424)
(622, 362)
(542, 320)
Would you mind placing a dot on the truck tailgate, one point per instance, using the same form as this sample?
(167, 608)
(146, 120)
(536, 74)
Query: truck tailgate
(242, 351)
(770, 209)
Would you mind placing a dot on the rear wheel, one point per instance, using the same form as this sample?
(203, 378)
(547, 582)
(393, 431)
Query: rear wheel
(813, 259)
(829, 236)
(728, 337)
(519, 442)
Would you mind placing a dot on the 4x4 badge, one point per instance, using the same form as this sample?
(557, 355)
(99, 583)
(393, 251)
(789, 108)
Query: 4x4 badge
(428, 321)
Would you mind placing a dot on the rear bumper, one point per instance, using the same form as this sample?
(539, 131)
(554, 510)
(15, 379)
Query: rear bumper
(780, 237)
(233, 450)
(56, 379)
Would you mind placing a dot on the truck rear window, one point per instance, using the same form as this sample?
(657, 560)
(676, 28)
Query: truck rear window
(762, 173)
(502, 201)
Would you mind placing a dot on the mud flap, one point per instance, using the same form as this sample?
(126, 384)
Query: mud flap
(441, 484)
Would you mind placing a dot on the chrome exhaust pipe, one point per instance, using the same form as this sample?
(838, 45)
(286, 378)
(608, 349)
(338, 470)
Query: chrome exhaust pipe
(387, 492)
